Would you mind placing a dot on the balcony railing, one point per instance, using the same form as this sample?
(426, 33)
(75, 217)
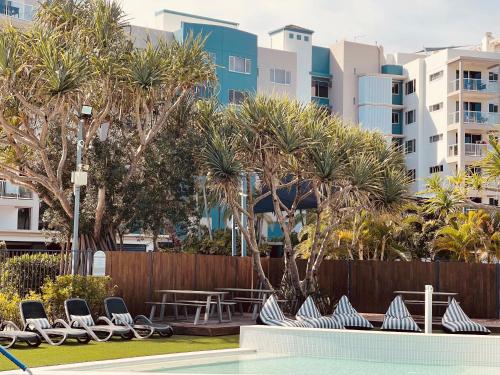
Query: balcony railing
(470, 149)
(9, 191)
(17, 10)
(475, 85)
(474, 117)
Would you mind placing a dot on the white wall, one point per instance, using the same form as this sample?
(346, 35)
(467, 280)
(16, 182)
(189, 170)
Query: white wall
(275, 59)
(172, 22)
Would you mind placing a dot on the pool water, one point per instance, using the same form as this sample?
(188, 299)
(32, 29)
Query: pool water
(253, 364)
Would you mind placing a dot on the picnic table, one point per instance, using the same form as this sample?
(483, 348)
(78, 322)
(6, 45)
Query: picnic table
(206, 303)
(256, 299)
(449, 296)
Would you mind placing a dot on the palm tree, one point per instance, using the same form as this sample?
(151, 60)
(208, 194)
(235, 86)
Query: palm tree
(491, 163)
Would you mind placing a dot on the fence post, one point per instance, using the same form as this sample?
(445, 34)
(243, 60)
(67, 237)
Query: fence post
(150, 275)
(497, 290)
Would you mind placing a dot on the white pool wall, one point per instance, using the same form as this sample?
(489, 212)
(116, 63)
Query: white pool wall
(393, 347)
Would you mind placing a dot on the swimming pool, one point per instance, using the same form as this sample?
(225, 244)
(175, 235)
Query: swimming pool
(298, 351)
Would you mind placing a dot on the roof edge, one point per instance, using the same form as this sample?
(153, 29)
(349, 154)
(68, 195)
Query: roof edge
(196, 16)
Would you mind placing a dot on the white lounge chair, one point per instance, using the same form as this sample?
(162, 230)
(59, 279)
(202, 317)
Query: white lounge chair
(398, 318)
(309, 313)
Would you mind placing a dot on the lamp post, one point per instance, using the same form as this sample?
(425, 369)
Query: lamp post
(79, 178)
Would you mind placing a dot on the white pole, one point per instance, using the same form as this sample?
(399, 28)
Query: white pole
(428, 308)
(76, 190)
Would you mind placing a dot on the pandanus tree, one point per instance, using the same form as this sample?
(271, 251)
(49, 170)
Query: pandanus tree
(80, 53)
(277, 145)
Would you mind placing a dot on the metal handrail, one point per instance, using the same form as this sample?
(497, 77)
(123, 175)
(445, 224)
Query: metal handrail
(15, 361)
(474, 84)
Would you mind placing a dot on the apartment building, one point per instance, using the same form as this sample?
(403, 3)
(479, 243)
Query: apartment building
(440, 104)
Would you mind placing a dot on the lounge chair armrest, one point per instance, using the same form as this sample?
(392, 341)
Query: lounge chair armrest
(105, 320)
(9, 324)
(142, 318)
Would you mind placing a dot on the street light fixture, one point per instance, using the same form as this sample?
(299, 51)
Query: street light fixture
(79, 179)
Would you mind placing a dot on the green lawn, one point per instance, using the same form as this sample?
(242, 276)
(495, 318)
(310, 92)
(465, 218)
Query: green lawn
(46, 355)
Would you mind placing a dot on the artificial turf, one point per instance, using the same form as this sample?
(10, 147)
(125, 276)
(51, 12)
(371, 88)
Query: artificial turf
(72, 352)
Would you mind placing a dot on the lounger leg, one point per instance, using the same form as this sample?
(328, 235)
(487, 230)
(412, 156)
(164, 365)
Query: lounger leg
(197, 315)
(152, 313)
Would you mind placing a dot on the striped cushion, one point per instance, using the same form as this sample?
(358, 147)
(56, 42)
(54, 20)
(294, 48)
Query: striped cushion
(398, 318)
(272, 315)
(43, 323)
(271, 311)
(323, 322)
(87, 319)
(308, 310)
(125, 318)
(455, 320)
(348, 317)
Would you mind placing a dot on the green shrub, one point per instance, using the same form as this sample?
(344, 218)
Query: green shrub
(9, 306)
(25, 273)
(91, 288)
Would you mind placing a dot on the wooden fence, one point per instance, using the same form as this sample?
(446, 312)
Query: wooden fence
(369, 284)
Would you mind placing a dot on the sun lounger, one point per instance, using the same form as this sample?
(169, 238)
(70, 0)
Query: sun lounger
(348, 316)
(272, 315)
(456, 321)
(309, 313)
(117, 311)
(79, 315)
(11, 333)
(35, 319)
(398, 318)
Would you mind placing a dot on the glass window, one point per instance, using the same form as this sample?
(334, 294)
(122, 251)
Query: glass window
(23, 218)
(435, 107)
(412, 174)
(290, 35)
(306, 38)
(410, 87)
(237, 97)
(436, 169)
(299, 37)
(492, 76)
(410, 146)
(436, 138)
(319, 88)
(395, 118)
(436, 75)
(280, 76)
(410, 117)
(493, 108)
(240, 64)
(395, 88)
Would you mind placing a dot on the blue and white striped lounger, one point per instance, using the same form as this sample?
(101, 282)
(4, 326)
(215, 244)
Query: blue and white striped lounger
(348, 317)
(398, 318)
(309, 313)
(456, 321)
(272, 315)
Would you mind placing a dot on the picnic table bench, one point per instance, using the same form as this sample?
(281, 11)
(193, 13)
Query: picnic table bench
(449, 296)
(255, 302)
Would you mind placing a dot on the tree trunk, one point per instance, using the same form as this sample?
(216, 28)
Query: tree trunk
(88, 245)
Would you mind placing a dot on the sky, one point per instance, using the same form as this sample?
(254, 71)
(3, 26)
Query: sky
(398, 25)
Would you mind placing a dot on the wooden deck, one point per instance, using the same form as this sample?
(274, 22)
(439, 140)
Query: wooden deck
(214, 328)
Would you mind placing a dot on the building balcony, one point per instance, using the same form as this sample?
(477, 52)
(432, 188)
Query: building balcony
(9, 191)
(470, 149)
(17, 10)
(474, 117)
(474, 85)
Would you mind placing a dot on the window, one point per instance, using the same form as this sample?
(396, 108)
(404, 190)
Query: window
(395, 88)
(212, 56)
(436, 107)
(280, 76)
(240, 65)
(299, 37)
(395, 118)
(436, 169)
(410, 146)
(237, 97)
(492, 76)
(410, 117)
(410, 87)
(306, 38)
(435, 76)
(471, 170)
(290, 35)
(475, 199)
(319, 88)
(436, 138)
(493, 108)
(412, 174)
(23, 218)
(493, 201)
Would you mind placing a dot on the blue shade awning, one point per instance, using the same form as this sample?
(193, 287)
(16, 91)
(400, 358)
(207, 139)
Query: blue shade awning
(287, 196)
